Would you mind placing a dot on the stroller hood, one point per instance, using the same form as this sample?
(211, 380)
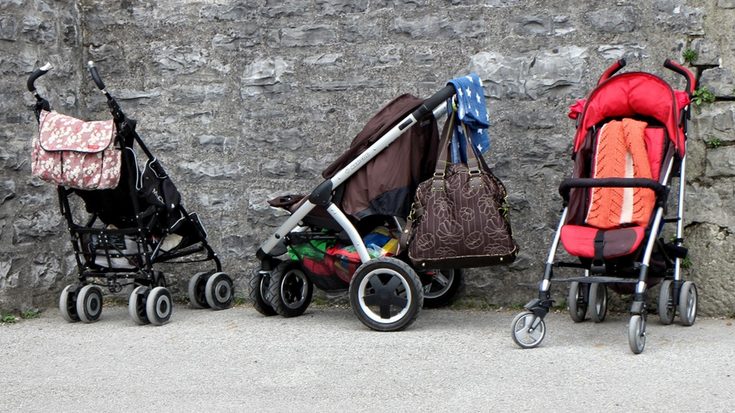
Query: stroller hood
(386, 185)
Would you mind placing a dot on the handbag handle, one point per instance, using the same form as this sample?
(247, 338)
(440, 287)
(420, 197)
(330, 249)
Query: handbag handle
(443, 159)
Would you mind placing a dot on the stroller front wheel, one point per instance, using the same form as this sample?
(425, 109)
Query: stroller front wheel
(637, 333)
(386, 294)
(197, 291)
(290, 289)
(137, 305)
(528, 330)
(259, 284)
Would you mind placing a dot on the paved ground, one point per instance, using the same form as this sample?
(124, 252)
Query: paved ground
(326, 361)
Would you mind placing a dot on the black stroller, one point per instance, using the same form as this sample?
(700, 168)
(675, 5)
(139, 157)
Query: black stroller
(344, 236)
(629, 146)
(124, 229)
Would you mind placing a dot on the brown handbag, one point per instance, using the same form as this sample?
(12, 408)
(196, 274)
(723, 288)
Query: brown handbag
(460, 217)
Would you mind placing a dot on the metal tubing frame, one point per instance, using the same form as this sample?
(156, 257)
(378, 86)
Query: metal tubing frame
(338, 179)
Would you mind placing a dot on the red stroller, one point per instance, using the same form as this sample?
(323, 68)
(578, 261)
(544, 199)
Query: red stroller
(629, 145)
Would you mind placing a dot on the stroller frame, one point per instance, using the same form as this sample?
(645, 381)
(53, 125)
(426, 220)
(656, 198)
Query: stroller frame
(114, 258)
(393, 282)
(528, 329)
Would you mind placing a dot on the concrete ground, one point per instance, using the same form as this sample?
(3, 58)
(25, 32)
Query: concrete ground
(237, 360)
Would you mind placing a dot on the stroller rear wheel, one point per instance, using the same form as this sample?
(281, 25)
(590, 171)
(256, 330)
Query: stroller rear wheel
(598, 302)
(688, 303)
(666, 307)
(443, 288)
(68, 303)
(89, 303)
(386, 294)
(290, 289)
(197, 290)
(159, 306)
(137, 305)
(219, 291)
(577, 300)
(259, 292)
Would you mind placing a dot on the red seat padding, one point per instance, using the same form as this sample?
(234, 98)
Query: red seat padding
(580, 241)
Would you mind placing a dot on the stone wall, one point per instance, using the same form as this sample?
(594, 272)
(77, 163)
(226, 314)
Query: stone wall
(246, 100)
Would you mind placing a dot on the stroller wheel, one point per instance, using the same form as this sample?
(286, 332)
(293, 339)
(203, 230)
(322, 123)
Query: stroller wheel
(197, 290)
(598, 302)
(637, 333)
(68, 303)
(666, 307)
(688, 303)
(159, 306)
(137, 305)
(577, 300)
(386, 294)
(290, 289)
(219, 291)
(259, 291)
(89, 303)
(443, 288)
(528, 330)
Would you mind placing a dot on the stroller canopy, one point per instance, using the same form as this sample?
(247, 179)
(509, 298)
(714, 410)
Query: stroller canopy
(635, 94)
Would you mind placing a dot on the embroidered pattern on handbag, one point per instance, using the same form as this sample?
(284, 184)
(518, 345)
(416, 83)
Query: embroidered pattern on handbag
(74, 153)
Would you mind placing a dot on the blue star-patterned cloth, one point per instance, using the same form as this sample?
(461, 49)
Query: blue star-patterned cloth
(472, 112)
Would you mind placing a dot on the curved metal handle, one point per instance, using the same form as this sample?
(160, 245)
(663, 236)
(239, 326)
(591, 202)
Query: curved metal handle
(96, 76)
(691, 84)
(36, 74)
(612, 70)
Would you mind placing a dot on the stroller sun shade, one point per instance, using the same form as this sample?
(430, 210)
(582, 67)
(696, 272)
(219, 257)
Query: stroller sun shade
(386, 185)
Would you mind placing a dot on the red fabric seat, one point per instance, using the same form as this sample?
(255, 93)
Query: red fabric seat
(580, 241)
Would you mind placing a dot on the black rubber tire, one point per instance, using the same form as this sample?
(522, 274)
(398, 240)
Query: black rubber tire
(197, 290)
(290, 289)
(390, 286)
(258, 291)
(443, 288)
(220, 291)
(159, 306)
(89, 303)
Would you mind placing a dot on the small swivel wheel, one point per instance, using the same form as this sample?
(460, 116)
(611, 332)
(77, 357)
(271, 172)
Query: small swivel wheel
(159, 306)
(528, 330)
(637, 333)
(290, 289)
(68, 303)
(89, 303)
(219, 291)
(259, 283)
(386, 294)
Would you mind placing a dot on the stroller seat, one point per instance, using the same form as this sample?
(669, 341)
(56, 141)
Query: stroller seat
(616, 219)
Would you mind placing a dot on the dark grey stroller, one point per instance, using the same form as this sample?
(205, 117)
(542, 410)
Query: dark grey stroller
(122, 233)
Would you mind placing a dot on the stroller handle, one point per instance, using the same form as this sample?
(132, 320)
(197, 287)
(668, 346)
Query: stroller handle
(612, 70)
(96, 76)
(431, 103)
(36, 74)
(691, 84)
